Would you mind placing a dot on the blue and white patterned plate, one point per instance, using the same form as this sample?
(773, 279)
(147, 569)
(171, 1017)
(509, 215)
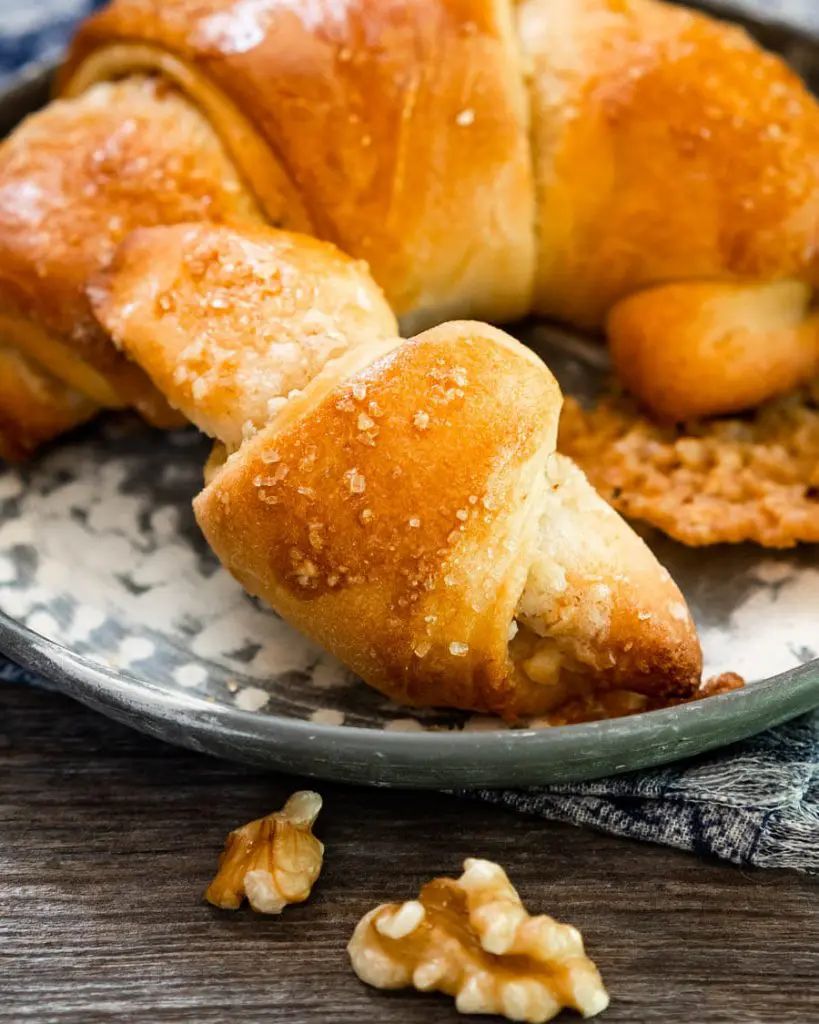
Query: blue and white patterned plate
(107, 585)
(107, 588)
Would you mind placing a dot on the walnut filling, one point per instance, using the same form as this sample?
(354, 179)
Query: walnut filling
(595, 609)
(577, 695)
(560, 638)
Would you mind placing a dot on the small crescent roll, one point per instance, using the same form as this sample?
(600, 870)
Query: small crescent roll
(405, 507)
(411, 550)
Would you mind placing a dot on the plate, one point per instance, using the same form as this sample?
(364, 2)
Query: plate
(108, 589)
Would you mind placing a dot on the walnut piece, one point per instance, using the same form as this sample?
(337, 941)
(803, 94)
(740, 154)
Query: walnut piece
(472, 939)
(272, 861)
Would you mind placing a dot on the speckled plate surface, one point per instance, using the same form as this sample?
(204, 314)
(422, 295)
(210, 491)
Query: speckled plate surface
(108, 589)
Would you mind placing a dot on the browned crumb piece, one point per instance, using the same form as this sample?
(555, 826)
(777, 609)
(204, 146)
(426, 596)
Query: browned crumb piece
(753, 478)
(713, 687)
(716, 685)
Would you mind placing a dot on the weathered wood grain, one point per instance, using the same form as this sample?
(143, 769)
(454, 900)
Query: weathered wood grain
(107, 840)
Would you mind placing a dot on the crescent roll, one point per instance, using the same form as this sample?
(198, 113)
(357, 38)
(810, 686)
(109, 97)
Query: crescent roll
(670, 149)
(490, 158)
(74, 180)
(402, 504)
(623, 165)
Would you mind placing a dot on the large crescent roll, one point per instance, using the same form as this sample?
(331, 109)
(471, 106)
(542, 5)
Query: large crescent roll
(403, 505)
(399, 128)
(489, 158)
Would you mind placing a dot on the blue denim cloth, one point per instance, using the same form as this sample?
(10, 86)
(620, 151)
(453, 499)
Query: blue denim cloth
(755, 803)
(33, 29)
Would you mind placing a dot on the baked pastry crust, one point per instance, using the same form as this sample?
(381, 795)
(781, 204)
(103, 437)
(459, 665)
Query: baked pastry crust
(75, 178)
(404, 507)
(34, 406)
(668, 147)
(409, 557)
(398, 130)
(226, 321)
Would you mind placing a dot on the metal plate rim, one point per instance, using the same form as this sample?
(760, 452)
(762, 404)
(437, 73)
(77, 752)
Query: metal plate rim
(356, 754)
(425, 759)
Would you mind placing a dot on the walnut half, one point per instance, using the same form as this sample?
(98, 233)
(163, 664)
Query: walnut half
(472, 939)
(272, 861)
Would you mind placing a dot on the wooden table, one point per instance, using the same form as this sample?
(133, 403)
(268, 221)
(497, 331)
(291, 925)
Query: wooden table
(107, 839)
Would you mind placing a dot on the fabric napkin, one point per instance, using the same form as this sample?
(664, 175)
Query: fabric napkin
(754, 803)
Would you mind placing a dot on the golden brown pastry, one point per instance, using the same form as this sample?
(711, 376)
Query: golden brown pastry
(624, 164)
(400, 127)
(74, 180)
(34, 406)
(636, 109)
(225, 322)
(409, 133)
(404, 505)
(725, 347)
(668, 147)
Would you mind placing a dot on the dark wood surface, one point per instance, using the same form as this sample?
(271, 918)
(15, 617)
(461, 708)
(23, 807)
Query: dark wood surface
(107, 839)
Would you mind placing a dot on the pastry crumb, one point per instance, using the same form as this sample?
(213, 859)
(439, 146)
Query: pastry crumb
(713, 687)
(599, 707)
